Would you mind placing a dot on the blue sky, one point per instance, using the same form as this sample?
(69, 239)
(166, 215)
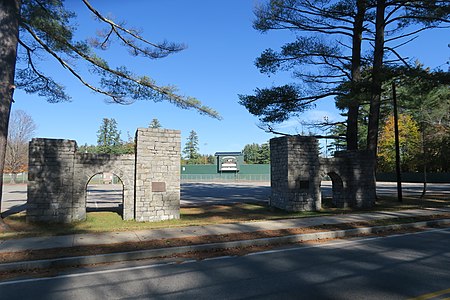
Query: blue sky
(217, 66)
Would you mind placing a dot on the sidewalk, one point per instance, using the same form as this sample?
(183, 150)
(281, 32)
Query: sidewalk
(107, 238)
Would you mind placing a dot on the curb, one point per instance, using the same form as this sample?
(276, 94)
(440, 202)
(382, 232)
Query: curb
(154, 253)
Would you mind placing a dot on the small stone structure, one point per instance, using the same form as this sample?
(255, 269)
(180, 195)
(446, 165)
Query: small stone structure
(58, 177)
(297, 171)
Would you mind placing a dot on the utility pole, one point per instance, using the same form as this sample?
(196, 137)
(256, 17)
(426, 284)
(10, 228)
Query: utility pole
(397, 146)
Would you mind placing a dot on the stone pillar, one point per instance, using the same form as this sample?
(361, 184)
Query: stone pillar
(50, 181)
(157, 174)
(295, 169)
(357, 169)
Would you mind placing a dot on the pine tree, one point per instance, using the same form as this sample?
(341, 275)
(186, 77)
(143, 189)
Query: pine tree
(155, 123)
(191, 147)
(256, 154)
(325, 54)
(327, 57)
(250, 153)
(108, 137)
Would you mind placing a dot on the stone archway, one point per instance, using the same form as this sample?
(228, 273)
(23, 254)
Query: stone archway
(104, 193)
(58, 175)
(337, 189)
(297, 171)
(90, 164)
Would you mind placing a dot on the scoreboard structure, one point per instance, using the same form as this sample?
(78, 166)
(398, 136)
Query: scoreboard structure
(229, 161)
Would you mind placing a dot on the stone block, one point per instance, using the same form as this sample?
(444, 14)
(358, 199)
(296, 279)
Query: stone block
(58, 176)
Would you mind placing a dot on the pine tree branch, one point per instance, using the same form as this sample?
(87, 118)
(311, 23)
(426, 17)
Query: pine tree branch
(64, 63)
(117, 29)
(318, 12)
(269, 129)
(167, 92)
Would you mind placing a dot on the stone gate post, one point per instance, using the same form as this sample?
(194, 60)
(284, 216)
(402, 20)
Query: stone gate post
(50, 181)
(295, 170)
(157, 177)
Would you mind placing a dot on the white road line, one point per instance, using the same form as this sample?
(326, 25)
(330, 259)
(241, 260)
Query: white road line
(216, 258)
(219, 258)
(346, 242)
(85, 274)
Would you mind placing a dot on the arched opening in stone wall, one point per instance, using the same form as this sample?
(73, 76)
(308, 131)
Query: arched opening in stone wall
(332, 188)
(104, 192)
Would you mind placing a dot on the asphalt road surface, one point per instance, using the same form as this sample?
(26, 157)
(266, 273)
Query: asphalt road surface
(109, 197)
(396, 267)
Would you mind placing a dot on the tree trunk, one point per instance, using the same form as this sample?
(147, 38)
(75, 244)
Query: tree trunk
(352, 127)
(9, 34)
(425, 181)
(377, 79)
(353, 109)
(425, 162)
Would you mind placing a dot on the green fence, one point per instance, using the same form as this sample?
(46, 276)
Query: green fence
(19, 178)
(225, 177)
(210, 173)
(246, 173)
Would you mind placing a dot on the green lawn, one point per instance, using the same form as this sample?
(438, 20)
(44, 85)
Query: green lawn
(110, 221)
(205, 215)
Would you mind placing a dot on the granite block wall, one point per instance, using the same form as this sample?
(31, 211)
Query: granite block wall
(58, 176)
(297, 172)
(50, 184)
(294, 164)
(157, 183)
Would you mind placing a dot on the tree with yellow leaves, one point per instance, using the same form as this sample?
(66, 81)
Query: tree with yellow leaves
(409, 140)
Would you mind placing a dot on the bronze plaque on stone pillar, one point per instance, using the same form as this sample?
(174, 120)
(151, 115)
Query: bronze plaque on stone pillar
(158, 186)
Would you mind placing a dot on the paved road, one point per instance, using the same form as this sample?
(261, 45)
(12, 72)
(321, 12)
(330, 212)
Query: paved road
(109, 197)
(197, 194)
(397, 267)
